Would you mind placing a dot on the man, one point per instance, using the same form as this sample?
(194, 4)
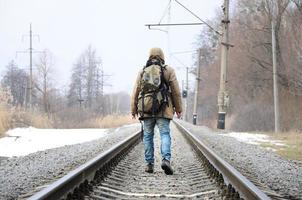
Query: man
(156, 106)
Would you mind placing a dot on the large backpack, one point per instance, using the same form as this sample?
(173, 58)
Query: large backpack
(153, 96)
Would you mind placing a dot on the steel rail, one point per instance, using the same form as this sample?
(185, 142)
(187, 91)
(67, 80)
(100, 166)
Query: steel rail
(246, 189)
(84, 173)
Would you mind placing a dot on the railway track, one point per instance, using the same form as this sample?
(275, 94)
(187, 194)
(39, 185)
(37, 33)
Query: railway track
(119, 174)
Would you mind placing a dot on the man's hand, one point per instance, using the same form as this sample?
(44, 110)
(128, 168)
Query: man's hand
(178, 115)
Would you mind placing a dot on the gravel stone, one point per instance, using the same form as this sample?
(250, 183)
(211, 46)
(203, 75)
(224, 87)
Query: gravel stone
(21, 176)
(281, 175)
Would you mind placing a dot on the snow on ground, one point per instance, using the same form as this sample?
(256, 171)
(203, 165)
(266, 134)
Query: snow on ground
(128, 125)
(251, 138)
(23, 141)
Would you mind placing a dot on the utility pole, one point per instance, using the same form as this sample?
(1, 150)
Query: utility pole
(184, 97)
(25, 94)
(275, 77)
(187, 90)
(31, 51)
(223, 98)
(196, 88)
(30, 67)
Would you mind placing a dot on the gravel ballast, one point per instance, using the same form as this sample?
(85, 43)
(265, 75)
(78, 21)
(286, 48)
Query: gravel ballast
(281, 175)
(22, 176)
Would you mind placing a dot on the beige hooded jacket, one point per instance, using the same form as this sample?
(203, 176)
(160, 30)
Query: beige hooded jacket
(174, 104)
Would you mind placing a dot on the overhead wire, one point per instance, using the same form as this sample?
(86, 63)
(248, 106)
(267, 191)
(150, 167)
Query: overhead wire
(185, 52)
(163, 16)
(208, 25)
(165, 12)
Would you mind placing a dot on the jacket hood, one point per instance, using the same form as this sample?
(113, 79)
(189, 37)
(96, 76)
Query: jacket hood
(157, 52)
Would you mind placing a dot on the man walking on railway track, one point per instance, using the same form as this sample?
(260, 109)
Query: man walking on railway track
(155, 98)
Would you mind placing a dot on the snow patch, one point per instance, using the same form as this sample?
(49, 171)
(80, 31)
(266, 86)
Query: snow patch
(23, 141)
(126, 126)
(255, 139)
(131, 125)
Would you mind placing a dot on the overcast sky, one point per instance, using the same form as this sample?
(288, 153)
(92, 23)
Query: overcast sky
(115, 28)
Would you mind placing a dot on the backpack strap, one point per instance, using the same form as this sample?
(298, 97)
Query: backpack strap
(165, 84)
(164, 90)
(162, 76)
(143, 110)
(153, 104)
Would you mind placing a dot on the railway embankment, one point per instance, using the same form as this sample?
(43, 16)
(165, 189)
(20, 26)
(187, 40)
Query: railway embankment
(22, 176)
(279, 174)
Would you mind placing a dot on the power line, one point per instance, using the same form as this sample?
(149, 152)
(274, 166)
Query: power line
(181, 24)
(176, 24)
(204, 22)
(178, 60)
(185, 52)
(165, 12)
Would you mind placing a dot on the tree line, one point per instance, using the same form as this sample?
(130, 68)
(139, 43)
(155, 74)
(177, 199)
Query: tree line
(83, 100)
(250, 71)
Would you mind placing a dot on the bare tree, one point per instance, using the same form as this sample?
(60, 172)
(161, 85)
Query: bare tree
(117, 103)
(16, 80)
(45, 67)
(298, 3)
(86, 82)
(250, 68)
(76, 87)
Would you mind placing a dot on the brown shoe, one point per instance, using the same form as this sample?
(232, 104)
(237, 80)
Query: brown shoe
(149, 168)
(165, 165)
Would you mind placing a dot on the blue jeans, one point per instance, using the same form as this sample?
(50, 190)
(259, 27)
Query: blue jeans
(164, 130)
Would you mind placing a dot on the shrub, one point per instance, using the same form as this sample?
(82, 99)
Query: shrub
(253, 117)
(112, 121)
(23, 118)
(5, 110)
(5, 119)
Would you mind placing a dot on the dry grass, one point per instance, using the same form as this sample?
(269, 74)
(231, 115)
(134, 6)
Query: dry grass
(37, 120)
(293, 142)
(112, 121)
(15, 117)
(12, 118)
(23, 118)
(5, 119)
(87, 121)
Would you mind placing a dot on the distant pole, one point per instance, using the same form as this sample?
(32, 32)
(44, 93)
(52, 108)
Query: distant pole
(30, 68)
(97, 84)
(183, 89)
(196, 88)
(222, 94)
(25, 94)
(275, 77)
(30, 78)
(187, 89)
